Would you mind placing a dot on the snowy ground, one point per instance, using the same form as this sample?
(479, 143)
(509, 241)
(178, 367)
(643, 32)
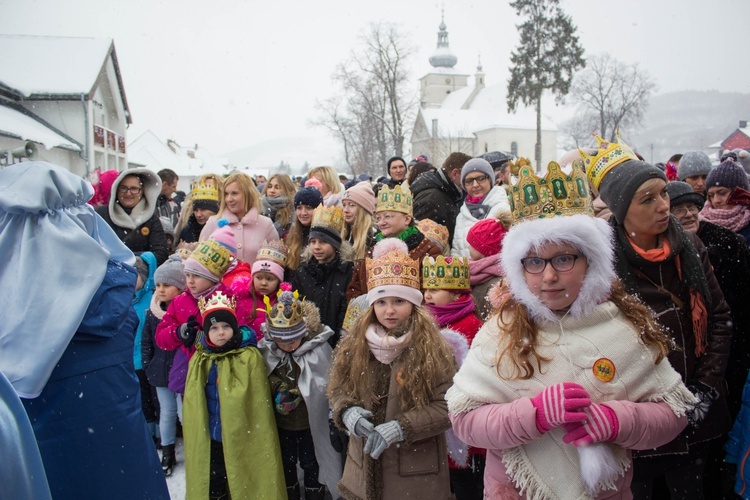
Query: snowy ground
(176, 482)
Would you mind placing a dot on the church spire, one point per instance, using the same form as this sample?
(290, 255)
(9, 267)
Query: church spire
(443, 57)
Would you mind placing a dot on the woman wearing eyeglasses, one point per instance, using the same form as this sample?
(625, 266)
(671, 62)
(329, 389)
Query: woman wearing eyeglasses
(669, 269)
(569, 375)
(483, 199)
(730, 259)
(131, 212)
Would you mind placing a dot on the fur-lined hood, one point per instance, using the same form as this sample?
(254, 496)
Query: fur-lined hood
(592, 236)
(145, 208)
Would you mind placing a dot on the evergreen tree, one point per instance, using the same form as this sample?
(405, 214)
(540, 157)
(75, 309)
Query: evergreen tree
(546, 58)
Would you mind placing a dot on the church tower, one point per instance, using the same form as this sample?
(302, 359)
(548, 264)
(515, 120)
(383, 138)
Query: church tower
(442, 78)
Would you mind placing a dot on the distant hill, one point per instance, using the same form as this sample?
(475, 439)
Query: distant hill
(689, 120)
(299, 153)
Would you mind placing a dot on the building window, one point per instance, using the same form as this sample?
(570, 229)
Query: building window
(514, 149)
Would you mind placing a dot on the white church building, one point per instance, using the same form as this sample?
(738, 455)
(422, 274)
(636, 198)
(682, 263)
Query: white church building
(456, 116)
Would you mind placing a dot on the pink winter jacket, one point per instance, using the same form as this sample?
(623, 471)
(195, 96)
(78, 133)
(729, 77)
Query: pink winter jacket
(249, 233)
(185, 305)
(500, 426)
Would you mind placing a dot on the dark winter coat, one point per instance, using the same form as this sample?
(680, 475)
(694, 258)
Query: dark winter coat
(419, 247)
(192, 231)
(730, 258)
(437, 198)
(147, 237)
(156, 361)
(708, 368)
(325, 285)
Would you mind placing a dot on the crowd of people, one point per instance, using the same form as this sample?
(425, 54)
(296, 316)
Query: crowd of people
(470, 330)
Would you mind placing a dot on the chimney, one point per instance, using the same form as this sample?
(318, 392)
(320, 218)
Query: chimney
(743, 123)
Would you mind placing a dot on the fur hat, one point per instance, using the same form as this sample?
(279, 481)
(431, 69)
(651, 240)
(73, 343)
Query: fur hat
(477, 165)
(618, 186)
(728, 174)
(486, 236)
(682, 192)
(591, 236)
(363, 195)
(308, 196)
(171, 273)
(693, 163)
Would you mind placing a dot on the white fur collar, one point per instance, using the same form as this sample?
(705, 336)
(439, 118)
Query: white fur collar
(593, 237)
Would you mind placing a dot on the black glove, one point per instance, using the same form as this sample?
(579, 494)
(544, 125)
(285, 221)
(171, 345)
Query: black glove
(706, 395)
(189, 331)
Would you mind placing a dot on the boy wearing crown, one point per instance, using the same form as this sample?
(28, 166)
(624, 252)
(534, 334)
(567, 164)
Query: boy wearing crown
(326, 269)
(227, 411)
(394, 217)
(298, 358)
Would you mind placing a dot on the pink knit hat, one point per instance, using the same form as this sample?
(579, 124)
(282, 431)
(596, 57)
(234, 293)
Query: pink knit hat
(486, 236)
(361, 194)
(225, 236)
(268, 266)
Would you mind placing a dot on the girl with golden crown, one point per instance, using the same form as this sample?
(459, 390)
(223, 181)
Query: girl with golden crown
(568, 376)
(387, 387)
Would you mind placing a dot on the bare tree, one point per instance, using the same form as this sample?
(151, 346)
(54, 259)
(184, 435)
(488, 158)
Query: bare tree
(615, 94)
(370, 113)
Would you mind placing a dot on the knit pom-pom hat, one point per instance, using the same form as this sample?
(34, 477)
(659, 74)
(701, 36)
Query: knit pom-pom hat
(225, 236)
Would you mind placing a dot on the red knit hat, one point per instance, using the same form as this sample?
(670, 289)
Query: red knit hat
(486, 236)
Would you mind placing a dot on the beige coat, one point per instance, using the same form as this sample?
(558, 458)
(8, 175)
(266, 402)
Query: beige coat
(415, 468)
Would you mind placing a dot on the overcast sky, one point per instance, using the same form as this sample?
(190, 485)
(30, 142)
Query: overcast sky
(229, 74)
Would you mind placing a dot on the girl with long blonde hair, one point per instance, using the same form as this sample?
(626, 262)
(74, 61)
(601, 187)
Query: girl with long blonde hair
(276, 198)
(331, 187)
(359, 228)
(306, 201)
(387, 386)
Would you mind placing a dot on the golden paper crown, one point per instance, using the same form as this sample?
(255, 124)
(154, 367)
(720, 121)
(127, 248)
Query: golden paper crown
(328, 217)
(445, 273)
(285, 318)
(393, 268)
(204, 192)
(213, 256)
(354, 310)
(274, 251)
(396, 200)
(434, 231)
(608, 156)
(557, 193)
(217, 301)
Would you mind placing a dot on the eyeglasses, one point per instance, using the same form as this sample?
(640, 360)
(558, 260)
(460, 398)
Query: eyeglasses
(481, 179)
(561, 263)
(683, 211)
(131, 190)
(384, 218)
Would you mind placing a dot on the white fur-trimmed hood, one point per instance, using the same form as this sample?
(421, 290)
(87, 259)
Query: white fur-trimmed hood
(593, 237)
(145, 208)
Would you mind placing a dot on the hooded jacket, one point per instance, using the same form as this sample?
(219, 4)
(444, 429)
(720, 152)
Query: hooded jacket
(141, 229)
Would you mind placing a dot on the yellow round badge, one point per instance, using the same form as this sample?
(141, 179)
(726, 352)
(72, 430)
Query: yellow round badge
(400, 377)
(604, 369)
(145, 231)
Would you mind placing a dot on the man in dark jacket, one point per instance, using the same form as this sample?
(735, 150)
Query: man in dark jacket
(165, 206)
(437, 195)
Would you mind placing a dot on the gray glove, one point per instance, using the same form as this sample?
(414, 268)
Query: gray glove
(383, 436)
(355, 420)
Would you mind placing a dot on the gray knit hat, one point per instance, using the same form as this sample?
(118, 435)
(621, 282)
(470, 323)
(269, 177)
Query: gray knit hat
(171, 272)
(693, 163)
(682, 192)
(620, 184)
(477, 165)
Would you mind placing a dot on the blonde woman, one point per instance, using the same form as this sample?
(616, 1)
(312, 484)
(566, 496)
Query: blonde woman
(359, 228)
(276, 199)
(240, 205)
(331, 188)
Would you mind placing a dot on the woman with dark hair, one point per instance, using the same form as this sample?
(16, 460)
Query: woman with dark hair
(669, 269)
(725, 184)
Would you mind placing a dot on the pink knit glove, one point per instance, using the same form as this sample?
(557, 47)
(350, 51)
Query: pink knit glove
(560, 404)
(601, 424)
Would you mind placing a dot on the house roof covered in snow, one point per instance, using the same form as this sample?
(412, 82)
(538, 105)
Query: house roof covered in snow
(53, 66)
(14, 123)
(156, 154)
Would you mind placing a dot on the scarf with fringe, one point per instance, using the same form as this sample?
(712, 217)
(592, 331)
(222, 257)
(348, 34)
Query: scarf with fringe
(734, 218)
(545, 467)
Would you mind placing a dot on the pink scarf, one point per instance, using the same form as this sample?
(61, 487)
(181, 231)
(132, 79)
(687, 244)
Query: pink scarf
(484, 269)
(385, 347)
(450, 313)
(734, 218)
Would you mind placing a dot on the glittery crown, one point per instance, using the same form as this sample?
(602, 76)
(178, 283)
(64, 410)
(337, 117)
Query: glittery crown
(286, 315)
(354, 310)
(204, 192)
(274, 251)
(557, 193)
(608, 156)
(393, 268)
(445, 273)
(213, 256)
(217, 301)
(396, 200)
(328, 217)
(434, 231)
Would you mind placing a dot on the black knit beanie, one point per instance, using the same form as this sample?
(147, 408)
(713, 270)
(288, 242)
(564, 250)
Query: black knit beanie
(309, 196)
(620, 184)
